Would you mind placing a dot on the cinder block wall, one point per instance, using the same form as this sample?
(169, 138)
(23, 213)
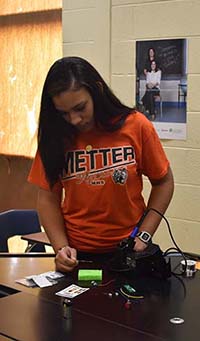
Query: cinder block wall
(105, 32)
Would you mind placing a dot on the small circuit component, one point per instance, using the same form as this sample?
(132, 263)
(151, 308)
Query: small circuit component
(128, 289)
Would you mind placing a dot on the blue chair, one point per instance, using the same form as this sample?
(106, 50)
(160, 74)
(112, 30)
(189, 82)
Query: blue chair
(17, 223)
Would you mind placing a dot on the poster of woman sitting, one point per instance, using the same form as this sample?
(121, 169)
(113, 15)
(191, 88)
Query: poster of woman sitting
(161, 85)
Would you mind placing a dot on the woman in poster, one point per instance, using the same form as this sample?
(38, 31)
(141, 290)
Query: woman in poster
(151, 58)
(153, 79)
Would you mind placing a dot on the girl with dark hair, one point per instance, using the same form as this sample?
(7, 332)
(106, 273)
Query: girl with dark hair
(94, 149)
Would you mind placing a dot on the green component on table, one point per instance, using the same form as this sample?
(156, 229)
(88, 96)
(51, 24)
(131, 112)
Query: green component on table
(129, 289)
(87, 275)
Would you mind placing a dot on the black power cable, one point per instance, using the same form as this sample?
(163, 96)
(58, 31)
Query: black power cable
(176, 248)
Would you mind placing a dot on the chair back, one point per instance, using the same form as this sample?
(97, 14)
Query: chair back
(18, 222)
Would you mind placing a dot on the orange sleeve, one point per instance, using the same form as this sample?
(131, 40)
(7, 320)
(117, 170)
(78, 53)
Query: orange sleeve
(37, 175)
(154, 160)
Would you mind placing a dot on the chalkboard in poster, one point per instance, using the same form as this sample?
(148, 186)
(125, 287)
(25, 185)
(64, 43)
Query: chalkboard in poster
(169, 54)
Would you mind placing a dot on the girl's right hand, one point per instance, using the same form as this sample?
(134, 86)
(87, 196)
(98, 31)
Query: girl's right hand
(66, 259)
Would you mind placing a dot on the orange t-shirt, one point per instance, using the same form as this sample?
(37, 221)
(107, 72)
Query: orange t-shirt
(102, 180)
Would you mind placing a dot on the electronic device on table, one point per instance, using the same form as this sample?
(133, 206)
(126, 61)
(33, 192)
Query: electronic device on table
(150, 262)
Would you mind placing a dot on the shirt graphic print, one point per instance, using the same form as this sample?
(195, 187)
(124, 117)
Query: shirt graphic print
(92, 165)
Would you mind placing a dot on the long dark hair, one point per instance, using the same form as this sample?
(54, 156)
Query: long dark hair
(55, 135)
(154, 52)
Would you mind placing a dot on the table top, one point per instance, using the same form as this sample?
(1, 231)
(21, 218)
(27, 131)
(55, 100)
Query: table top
(95, 314)
(13, 268)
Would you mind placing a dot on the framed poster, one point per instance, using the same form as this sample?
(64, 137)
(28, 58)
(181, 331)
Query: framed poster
(161, 85)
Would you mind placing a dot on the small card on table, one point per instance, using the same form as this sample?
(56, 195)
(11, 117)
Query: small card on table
(72, 291)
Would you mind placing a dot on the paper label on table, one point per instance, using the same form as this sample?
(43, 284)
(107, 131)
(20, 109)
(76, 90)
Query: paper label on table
(53, 274)
(41, 281)
(72, 291)
(27, 282)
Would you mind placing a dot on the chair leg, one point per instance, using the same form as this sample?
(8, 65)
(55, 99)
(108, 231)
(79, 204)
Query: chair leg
(161, 108)
(35, 247)
(30, 247)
